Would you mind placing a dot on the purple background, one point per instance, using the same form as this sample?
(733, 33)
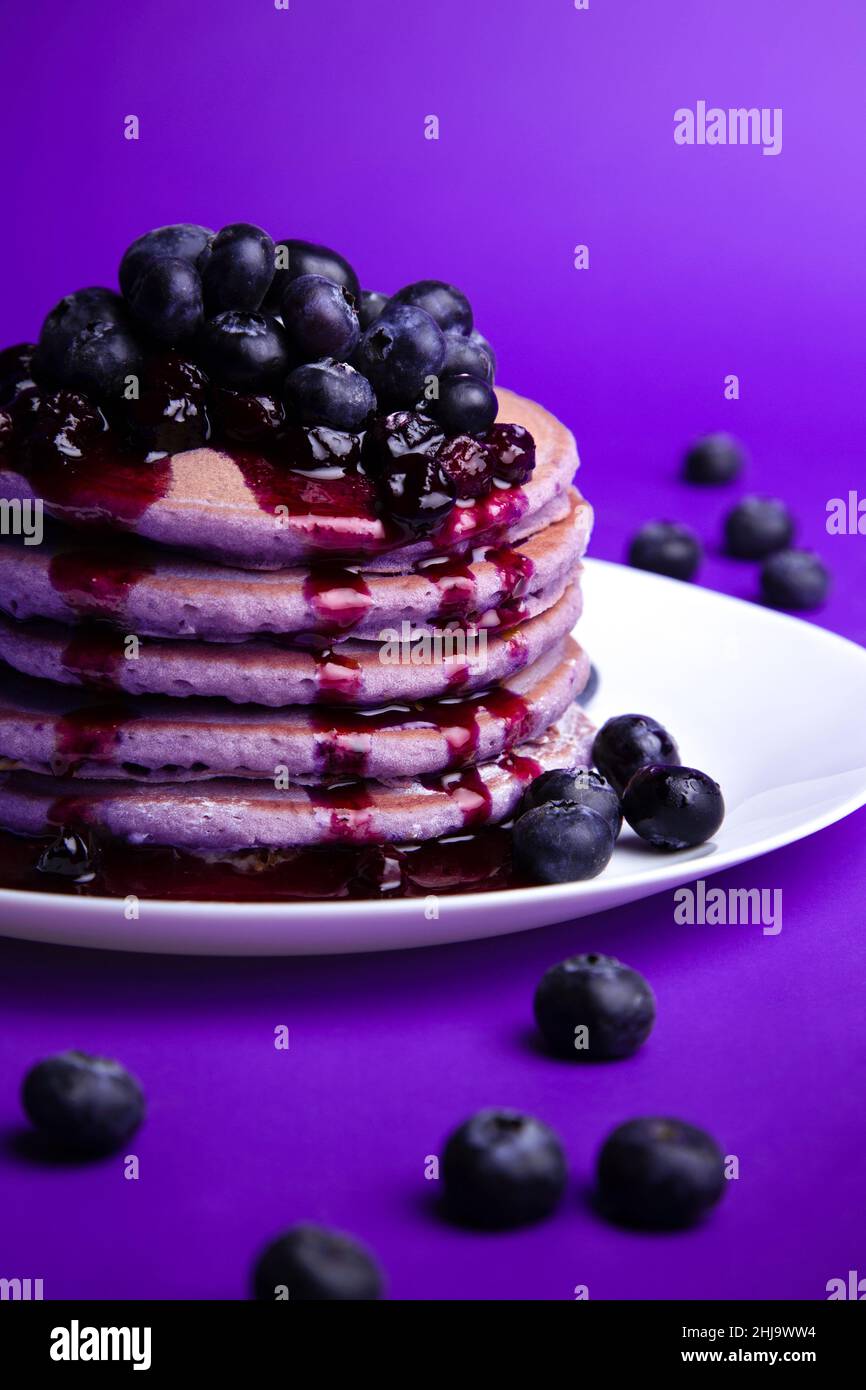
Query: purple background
(556, 129)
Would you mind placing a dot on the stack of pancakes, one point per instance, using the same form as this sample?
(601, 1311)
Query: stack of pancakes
(212, 671)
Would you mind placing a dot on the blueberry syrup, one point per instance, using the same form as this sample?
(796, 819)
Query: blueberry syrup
(95, 584)
(339, 598)
(456, 583)
(104, 485)
(88, 734)
(94, 656)
(338, 676)
(349, 804)
(515, 571)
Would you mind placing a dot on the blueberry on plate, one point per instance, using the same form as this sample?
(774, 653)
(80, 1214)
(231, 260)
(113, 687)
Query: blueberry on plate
(246, 419)
(320, 319)
(465, 358)
(513, 450)
(399, 352)
(370, 307)
(593, 1008)
(716, 458)
(794, 579)
(166, 300)
(659, 1174)
(402, 432)
(664, 547)
(415, 492)
(183, 241)
(673, 807)
(329, 393)
(236, 268)
(590, 689)
(65, 426)
(465, 405)
(581, 786)
(501, 1169)
(16, 371)
(82, 1104)
(562, 842)
(245, 351)
(757, 527)
(70, 856)
(308, 1264)
(468, 463)
(630, 741)
(100, 360)
(170, 414)
(447, 305)
(83, 309)
(306, 258)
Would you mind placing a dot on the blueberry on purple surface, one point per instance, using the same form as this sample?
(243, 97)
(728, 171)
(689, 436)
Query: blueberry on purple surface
(306, 258)
(245, 419)
(183, 241)
(370, 307)
(70, 857)
(562, 842)
(329, 393)
(665, 547)
(82, 1104)
(756, 527)
(236, 268)
(16, 371)
(502, 1169)
(657, 1173)
(100, 360)
(465, 358)
(309, 1264)
(399, 352)
(170, 414)
(581, 786)
(628, 742)
(445, 304)
(673, 807)
(593, 1008)
(78, 311)
(62, 430)
(245, 351)
(415, 492)
(513, 450)
(465, 405)
(714, 459)
(166, 300)
(320, 319)
(794, 579)
(469, 464)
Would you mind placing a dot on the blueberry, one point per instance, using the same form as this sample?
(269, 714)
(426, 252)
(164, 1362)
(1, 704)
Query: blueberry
(717, 458)
(309, 1263)
(70, 857)
(463, 358)
(445, 304)
(590, 689)
(501, 1169)
(16, 374)
(581, 786)
(7, 428)
(183, 241)
(415, 492)
(166, 300)
(402, 432)
(370, 307)
(628, 742)
(65, 426)
(77, 311)
(469, 464)
(465, 405)
(673, 807)
(329, 393)
(81, 1103)
(236, 268)
(663, 547)
(246, 419)
(612, 1002)
(562, 842)
(306, 258)
(170, 414)
(399, 352)
(478, 340)
(100, 360)
(513, 451)
(245, 351)
(320, 319)
(757, 527)
(794, 579)
(659, 1174)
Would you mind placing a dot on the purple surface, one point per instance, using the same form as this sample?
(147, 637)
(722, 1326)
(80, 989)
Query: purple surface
(556, 128)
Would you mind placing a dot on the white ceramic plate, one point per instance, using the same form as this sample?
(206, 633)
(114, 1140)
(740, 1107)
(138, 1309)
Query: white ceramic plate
(768, 705)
